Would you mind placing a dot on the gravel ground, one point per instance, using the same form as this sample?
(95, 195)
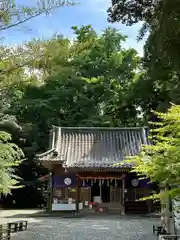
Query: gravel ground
(99, 228)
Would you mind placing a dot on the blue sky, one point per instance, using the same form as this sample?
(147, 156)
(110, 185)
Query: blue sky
(60, 21)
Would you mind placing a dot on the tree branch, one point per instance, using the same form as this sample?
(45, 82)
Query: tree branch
(7, 71)
(36, 15)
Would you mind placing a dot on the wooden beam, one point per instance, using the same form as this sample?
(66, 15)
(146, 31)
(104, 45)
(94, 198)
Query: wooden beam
(100, 175)
(98, 170)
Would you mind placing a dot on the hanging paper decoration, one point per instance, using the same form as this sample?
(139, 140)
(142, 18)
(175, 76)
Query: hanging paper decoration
(91, 182)
(107, 183)
(99, 182)
(102, 181)
(112, 183)
(84, 183)
(115, 183)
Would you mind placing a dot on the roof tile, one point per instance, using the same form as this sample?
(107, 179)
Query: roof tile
(98, 147)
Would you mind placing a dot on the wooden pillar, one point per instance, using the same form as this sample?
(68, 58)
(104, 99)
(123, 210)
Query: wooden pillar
(50, 191)
(123, 194)
(100, 186)
(77, 193)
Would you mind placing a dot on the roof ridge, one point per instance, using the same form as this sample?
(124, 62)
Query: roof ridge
(103, 128)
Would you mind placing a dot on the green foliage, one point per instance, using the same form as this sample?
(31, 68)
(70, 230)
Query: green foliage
(85, 82)
(10, 157)
(14, 65)
(81, 83)
(64, 100)
(131, 12)
(161, 19)
(13, 14)
(160, 161)
(15, 61)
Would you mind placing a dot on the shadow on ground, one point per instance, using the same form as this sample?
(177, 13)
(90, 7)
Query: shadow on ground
(108, 228)
(41, 213)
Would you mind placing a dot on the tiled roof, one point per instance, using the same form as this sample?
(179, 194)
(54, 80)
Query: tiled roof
(96, 147)
(50, 155)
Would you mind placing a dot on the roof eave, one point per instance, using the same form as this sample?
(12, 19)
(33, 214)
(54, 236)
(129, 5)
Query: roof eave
(40, 155)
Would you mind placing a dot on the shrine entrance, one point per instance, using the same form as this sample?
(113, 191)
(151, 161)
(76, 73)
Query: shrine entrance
(105, 194)
(102, 191)
(95, 191)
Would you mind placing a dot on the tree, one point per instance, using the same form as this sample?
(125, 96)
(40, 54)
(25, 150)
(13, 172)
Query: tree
(161, 19)
(13, 79)
(10, 157)
(14, 61)
(160, 161)
(95, 65)
(55, 54)
(80, 83)
(160, 84)
(14, 14)
(65, 99)
(104, 55)
(131, 12)
(93, 56)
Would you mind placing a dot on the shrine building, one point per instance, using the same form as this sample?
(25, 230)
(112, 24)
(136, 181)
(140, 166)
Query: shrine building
(85, 173)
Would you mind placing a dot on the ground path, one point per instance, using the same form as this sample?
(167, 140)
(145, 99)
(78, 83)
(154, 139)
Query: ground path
(87, 228)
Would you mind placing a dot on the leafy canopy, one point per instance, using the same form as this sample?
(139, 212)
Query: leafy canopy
(83, 82)
(10, 157)
(160, 161)
(13, 79)
(161, 20)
